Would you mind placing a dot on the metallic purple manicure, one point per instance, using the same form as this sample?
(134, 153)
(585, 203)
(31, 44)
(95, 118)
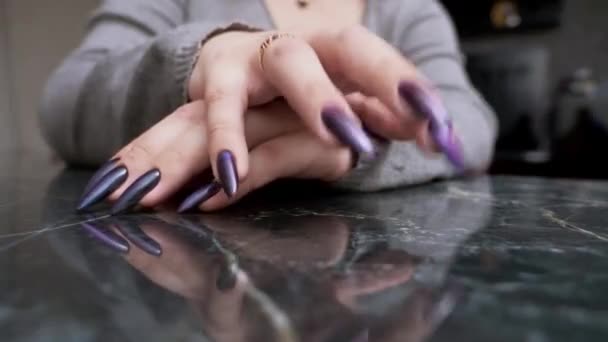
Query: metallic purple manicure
(107, 237)
(199, 196)
(100, 173)
(137, 236)
(227, 173)
(136, 191)
(428, 107)
(103, 188)
(346, 130)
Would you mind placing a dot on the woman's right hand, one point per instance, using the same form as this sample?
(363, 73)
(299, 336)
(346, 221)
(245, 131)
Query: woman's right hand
(237, 70)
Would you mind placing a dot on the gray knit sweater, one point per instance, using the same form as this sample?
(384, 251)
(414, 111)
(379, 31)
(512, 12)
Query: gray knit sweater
(133, 66)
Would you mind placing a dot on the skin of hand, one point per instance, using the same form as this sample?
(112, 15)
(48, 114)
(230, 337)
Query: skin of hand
(216, 128)
(177, 149)
(312, 72)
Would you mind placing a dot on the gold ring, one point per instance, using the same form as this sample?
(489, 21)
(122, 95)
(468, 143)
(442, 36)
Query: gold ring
(266, 44)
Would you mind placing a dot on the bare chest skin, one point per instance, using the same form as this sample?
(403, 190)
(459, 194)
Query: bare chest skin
(326, 15)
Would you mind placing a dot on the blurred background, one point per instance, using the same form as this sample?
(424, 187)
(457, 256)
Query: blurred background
(542, 64)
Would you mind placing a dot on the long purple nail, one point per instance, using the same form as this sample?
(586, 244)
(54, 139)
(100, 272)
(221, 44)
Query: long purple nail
(136, 191)
(107, 237)
(140, 239)
(103, 188)
(199, 196)
(100, 173)
(429, 107)
(346, 130)
(227, 173)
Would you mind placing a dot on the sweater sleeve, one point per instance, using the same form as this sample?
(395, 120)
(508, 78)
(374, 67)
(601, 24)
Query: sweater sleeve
(427, 38)
(130, 71)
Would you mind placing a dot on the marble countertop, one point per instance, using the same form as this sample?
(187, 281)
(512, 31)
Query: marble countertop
(486, 259)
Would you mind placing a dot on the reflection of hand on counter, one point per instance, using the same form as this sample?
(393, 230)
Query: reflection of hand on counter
(338, 267)
(198, 276)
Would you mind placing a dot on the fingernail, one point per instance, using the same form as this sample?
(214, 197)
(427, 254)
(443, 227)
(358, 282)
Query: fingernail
(134, 234)
(449, 143)
(227, 277)
(346, 130)
(107, 237)
(429, 107)
(199, 196)
(227, 173)
(100, 173)
(103, 188)
(419, 100)
(136, 191)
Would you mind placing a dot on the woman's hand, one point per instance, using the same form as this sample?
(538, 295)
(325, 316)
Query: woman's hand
(175, 148)
(295, 155)
(188, 141)
(237, 70)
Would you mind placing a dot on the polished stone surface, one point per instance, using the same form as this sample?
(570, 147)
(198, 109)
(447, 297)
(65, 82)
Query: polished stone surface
(489, 259)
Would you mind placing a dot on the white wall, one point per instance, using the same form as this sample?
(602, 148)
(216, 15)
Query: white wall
(39, 33)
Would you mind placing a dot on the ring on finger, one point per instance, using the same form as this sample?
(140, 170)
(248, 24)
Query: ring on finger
(268, 41)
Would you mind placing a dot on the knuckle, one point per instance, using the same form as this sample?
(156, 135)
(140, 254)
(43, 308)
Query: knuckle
(189, 114)
(137, 152)
(219, 131)
(350, 35)
(287, 48)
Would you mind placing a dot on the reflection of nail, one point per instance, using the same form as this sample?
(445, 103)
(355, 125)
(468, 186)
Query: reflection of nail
(103, 188)
(140, 239)
(107, 237)
(199, 196)
(429, 107)
(227, 173)
(227, 276)
(100, 173)
(136, 191)
(346, 130)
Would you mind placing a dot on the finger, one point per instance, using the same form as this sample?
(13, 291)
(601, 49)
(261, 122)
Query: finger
(357, 54)
(186, 155)
(381, 121)
(293, 68)
(226, 97)
(140, 155)
(378, 118)
(135, 160)
(275, 159)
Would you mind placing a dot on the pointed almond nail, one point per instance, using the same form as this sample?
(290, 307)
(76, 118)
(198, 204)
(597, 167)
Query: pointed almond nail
(100, 173)
(103, 188)
(429, 107)
(136, 191)
(227, 173)
(199, 196)
(346, 130)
